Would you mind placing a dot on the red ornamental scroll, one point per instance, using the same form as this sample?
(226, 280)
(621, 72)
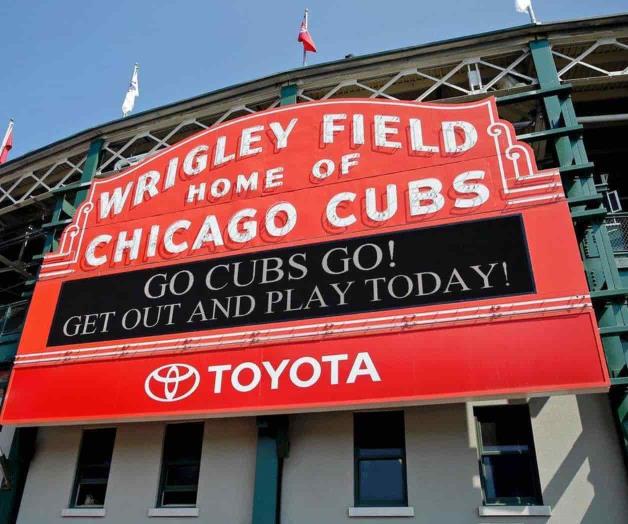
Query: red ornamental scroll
(334, 254)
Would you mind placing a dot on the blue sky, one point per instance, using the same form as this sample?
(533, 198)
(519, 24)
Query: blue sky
(66, 64)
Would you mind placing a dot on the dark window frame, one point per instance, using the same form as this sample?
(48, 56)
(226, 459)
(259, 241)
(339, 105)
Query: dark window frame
(166, 463)
(357, 458)
(80, 480)
(506, 414)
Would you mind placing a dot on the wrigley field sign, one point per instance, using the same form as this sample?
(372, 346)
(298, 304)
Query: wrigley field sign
(328, 255)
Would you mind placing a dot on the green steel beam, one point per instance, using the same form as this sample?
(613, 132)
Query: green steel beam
(89, 170)
(619, 404)
(62, 205)
(585, 200)
(576, 169)
(610, 294)
(550, 133)
(272, 433)
(589, 215)
(288, 94)
(613, 330)
(272, 448)
(16, 469)
(532, 94)
(23, 443)
(595, 247)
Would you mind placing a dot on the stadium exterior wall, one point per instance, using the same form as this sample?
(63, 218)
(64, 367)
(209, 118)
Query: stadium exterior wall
(575, 443)
(581, 474)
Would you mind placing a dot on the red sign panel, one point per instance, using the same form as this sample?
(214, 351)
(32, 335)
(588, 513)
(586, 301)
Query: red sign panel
(315, 256)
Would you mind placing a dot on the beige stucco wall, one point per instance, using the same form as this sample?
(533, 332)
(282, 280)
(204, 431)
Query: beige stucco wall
(581, 471)
(225, 482)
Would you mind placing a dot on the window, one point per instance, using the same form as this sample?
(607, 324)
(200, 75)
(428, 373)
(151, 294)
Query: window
(507, 458)
(181, 464)
(380, 459)
(92, 472)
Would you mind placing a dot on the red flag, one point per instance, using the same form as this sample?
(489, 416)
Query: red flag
(305, 37)
(7, 143)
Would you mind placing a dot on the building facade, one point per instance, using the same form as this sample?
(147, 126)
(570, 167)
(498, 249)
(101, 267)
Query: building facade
(531, 455)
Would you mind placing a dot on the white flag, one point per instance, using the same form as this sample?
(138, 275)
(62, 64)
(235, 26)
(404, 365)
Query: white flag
(132, 93)
(525, 6)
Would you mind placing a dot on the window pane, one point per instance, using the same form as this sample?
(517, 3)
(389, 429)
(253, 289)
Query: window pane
(507, 462)
(380, 459)
(382, 430)
(97, 446)
(182, 475)
(179, 498)
(92, 471)
(508, 476)
(183, 442)
(382, 481)
(504, 426)
(181, 464)
(91, 495)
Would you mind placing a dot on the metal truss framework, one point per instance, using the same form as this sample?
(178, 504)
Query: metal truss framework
(584, 60)
(487, 76)
(425, 80)
(27, 188)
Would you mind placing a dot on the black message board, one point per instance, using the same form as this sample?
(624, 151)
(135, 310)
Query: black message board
(466, 261)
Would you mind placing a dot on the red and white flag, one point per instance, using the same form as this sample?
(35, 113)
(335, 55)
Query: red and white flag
(306, 38)
(7, 143)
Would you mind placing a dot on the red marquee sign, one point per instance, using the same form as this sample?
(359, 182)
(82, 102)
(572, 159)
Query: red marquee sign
(331, 254)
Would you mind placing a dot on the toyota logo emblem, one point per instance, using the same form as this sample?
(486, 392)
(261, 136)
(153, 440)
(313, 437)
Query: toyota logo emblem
(172, 382)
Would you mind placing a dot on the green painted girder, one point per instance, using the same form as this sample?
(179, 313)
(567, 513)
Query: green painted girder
(551, 133)
(610, 294)
(589, 214)
(619, 404)
(272, 448)
(576, 169)
(533, 94)
(89, 170)
(22, 449)
(585, 200)
(57, 223)
(595, 247)
(272, 433)
(613, 331)
(288, 94)
(8, 349)
(71, 187)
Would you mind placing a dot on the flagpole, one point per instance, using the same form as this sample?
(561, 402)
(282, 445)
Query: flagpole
(532, 15)
(6, 135)
(304, 51)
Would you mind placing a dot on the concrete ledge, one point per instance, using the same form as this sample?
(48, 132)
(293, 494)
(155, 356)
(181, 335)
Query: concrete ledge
(515, 511)
(173, 512)
(83, 512)
(398, 511)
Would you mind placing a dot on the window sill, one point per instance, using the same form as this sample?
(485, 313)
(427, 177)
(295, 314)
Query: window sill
(83, 512)
(515, 511)
(173, 512)
(397, 511)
